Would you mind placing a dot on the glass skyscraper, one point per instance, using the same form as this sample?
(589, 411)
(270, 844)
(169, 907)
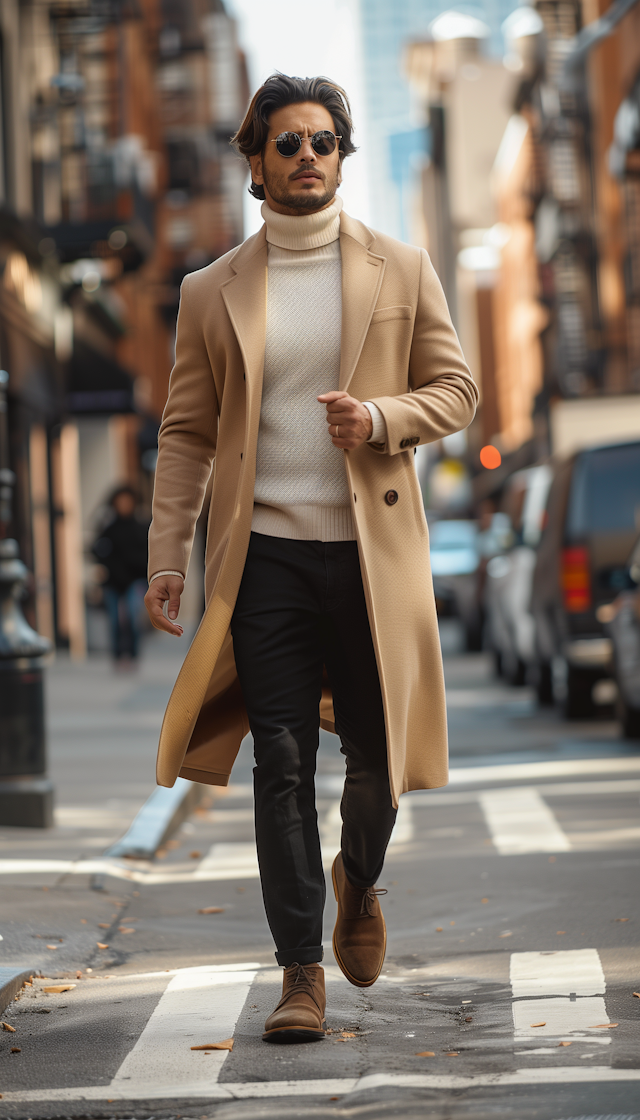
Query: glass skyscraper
(394, 124)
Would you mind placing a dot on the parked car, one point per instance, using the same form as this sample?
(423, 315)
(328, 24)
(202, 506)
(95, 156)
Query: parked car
(581, 565)
(623, 618)
(455, 561)
(509, 626)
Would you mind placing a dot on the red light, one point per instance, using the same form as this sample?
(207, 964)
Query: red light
(576, 580)
(490, 457)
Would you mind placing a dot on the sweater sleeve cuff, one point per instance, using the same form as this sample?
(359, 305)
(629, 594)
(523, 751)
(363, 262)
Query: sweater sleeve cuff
(169, 572)
(379, 433)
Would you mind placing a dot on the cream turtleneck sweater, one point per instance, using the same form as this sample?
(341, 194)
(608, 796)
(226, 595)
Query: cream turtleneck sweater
(301, 487)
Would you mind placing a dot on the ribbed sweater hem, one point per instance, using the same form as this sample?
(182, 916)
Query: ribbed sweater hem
(304, 522)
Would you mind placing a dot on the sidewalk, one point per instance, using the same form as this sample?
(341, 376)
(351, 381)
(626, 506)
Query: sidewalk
(103, 731)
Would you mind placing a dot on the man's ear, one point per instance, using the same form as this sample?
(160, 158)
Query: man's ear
(256, 168)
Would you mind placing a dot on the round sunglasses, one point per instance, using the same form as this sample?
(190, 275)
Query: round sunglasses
(288, 144)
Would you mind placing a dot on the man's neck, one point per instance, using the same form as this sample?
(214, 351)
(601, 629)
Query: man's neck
(309, 231)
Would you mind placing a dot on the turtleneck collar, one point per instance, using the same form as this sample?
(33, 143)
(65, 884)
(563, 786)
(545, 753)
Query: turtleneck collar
(311, 231)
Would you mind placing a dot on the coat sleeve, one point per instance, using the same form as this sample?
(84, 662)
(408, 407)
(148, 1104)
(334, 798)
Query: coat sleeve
(443, 395)
(186, 446)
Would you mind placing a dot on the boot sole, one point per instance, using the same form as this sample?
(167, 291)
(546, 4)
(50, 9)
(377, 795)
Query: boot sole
(284, 1035)
(341, 965)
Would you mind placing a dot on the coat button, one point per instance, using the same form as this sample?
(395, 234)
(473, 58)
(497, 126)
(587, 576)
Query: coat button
(391, 497)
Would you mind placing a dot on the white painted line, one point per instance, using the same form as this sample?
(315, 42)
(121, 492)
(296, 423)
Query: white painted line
(239, 1090)
(569, 986)
(520, 821)
(228, 861)
(404, 828)
(557, 973)
(199, 1005)
(527, 771)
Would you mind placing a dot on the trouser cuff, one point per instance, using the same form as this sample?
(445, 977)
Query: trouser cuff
(311, 954)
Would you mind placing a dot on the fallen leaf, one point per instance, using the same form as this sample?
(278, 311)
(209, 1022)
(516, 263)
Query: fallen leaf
(637, 995)
(8, 1027)
(603, 1026)
(538, 1024)
(438, 929)
(16, 1050)
(52, 946)
(484, 900)
(468, 1019)
(103, 925)
(552, 859)
(426, 1054)
(212, 910)
(83, 921)
(330, 1098)
(126, 929)
(59, 988)
(507, 933)
(195, 855)
(451, 1054)
(226, 1045)
(348, 1034)
(561, 932)
(564, 1044)
(101, 945)
(452, 923)
(622, 919)
(240, 890)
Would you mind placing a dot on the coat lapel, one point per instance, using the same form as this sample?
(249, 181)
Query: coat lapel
(362, 273)
(245, 297)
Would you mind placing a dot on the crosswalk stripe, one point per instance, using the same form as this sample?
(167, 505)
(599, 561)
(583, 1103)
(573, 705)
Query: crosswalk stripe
(246, 1090)
(520, 821)
(200, 1005)
(562, 990)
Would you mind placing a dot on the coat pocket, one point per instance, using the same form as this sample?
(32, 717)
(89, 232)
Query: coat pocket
(383, 314)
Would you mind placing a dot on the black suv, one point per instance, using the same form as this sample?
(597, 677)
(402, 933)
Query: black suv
(591, 522)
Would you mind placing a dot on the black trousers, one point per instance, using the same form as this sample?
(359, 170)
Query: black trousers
(300, 607)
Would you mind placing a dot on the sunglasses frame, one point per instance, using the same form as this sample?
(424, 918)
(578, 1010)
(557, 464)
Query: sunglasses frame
(320, 132)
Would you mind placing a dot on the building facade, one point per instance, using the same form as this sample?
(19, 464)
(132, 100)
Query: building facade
(117, 179)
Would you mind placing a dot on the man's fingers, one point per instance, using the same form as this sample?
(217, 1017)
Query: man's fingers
(334, 395)
(165, 589)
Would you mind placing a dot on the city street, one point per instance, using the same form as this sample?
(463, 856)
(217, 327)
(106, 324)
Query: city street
(512, 914)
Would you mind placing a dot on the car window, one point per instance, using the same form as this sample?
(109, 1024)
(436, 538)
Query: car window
(453, 534)
(605, 491)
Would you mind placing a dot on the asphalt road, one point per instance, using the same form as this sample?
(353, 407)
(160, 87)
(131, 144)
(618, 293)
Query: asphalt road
(512, 914)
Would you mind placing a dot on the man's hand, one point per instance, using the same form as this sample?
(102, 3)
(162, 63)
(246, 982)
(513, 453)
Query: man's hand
(161, 590)
(350, 423)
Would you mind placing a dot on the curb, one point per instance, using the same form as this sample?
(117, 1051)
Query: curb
(160, 816)
(11, 981)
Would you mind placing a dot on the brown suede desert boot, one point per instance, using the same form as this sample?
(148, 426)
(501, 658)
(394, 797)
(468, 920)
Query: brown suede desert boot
(299, 1017)
(360, 935)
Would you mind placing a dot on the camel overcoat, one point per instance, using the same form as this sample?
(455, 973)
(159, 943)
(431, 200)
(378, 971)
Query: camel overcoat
(399, 349)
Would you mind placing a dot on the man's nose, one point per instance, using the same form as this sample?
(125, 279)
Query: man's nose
(306, 153)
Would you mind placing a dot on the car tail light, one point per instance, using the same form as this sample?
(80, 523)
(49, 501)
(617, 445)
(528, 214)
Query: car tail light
(576, 580)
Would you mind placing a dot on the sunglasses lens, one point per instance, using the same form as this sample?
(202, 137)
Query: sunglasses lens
(288, 143)
(323, 143)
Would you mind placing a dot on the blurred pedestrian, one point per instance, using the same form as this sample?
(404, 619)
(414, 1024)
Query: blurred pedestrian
(121, 549)
(310, 362)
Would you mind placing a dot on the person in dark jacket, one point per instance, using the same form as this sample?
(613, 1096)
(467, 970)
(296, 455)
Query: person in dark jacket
(121, 549)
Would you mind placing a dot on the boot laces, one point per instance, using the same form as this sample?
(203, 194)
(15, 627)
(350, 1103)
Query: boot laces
(301, 982)
(369, 900)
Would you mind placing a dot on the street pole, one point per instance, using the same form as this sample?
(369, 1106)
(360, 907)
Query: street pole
(26, 794)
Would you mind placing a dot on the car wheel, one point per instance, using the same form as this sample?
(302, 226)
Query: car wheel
(544, 684)
(578, 703)
(516, 672)
(629, 718)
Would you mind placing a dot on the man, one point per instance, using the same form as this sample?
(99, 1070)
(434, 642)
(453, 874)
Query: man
(309, 363)
(121, 549)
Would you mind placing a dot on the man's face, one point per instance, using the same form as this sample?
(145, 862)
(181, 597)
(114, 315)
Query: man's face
(306, 182)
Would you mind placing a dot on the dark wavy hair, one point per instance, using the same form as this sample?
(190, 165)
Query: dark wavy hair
(280, 90)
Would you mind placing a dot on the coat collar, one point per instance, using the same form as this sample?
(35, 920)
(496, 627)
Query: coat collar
(245, 296)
